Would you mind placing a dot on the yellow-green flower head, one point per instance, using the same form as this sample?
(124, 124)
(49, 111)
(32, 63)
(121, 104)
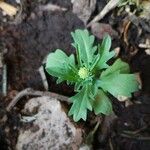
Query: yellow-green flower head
(83, 73)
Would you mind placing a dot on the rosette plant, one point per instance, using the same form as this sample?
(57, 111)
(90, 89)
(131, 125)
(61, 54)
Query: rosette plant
(93, 78)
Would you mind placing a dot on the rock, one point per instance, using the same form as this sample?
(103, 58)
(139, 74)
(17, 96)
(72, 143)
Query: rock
(85, 147)
(100, 29)
(83, 9)
(51, 130)
(18, 1)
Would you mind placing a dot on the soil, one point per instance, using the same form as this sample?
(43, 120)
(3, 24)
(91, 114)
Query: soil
(41, 32)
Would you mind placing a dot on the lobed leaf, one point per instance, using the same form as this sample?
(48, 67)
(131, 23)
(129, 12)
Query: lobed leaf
(102, 104)
(117, 81)
(105, 53)
(59, 65)
(82, 101)
(118, 65)
(83, 42)
(119, 84)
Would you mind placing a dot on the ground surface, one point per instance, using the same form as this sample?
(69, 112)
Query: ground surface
(40, 32)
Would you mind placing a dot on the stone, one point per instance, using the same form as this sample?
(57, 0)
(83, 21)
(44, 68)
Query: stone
(84, 9)
(100, 29)
(51, 129)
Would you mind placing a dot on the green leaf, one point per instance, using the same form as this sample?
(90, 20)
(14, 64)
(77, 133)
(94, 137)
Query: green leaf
(118, 65)
(119, 84)
(60, 65)
(105, 54)
(117, 81)
(81, 102)
(94, 63)
(83, 42)
(123, 3)
(102, 104)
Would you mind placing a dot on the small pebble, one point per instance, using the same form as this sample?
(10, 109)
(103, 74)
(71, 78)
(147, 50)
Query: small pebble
(18, 1)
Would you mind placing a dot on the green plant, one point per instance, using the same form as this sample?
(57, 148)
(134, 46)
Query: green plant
(141, 7)
(129, 2)
(92, 77)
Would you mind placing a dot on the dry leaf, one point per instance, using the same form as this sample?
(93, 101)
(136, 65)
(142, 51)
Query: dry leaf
(146, 10)
(111, 5)
(52, 7)
(8, 9)
(139, 80)
(122, 98)
(147, 51)
(117, 51)
(100, 29)
(128, 103)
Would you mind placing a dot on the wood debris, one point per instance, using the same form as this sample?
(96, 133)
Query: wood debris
(3, 74)
(52, 7)
(139, 80)
(146, 46)
(125, 33)
(117, 51)
(122, 98)
(31, 92)
(111, 5)
(8, 9)
(147, 51)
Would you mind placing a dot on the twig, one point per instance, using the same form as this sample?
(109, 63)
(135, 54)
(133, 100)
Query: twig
(31, 92)
(52, 7)
(107, 126)
(1, 60)
(90, 137)
(111, 5)
(135, 137)
(43, 76)
(4, 80)
(147, 51)
(18, 16)
(110, 144)
(3, 67)
(141, 45)
(126, 32)
(137, 131)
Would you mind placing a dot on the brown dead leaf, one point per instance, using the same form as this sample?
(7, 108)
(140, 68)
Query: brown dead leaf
(100, 29)
(125, 33)
(110, 5)
(139, 80)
